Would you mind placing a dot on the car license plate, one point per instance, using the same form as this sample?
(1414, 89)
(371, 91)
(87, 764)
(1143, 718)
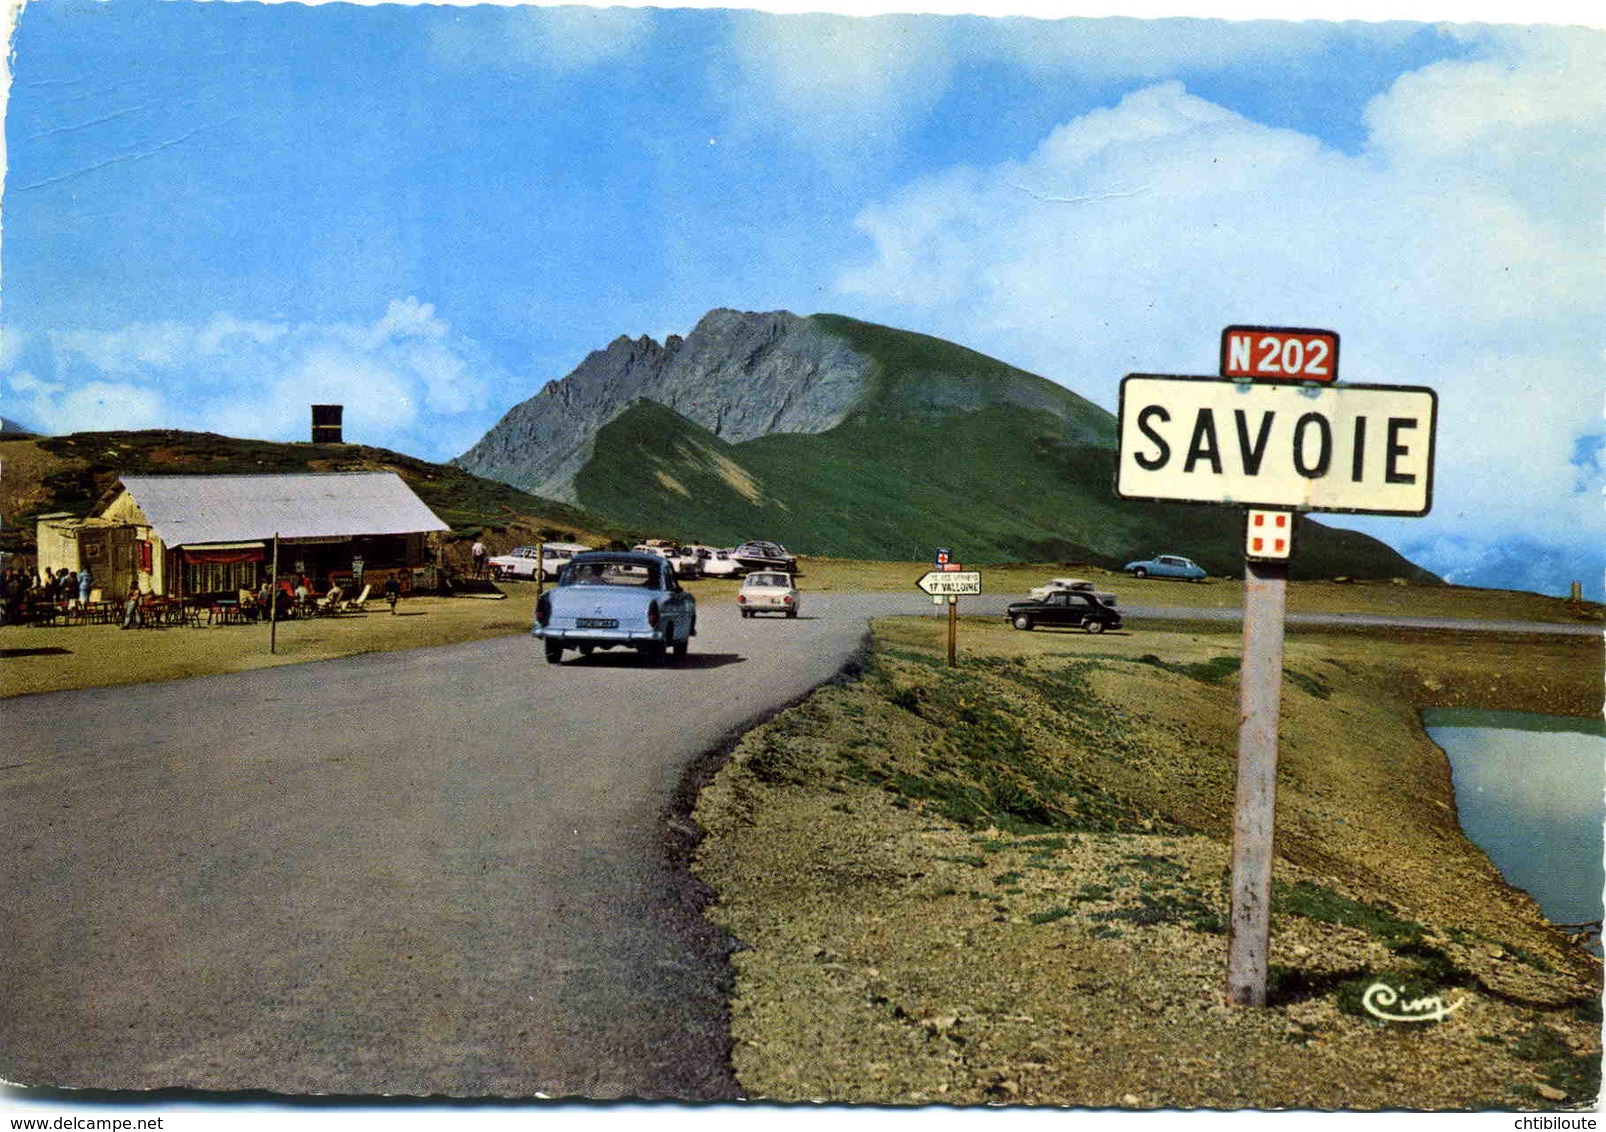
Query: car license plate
(596, 623)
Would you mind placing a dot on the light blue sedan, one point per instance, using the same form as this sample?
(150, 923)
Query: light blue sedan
(1166, 566)
(611, 599)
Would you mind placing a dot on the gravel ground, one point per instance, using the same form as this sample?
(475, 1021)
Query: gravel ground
(909, 938)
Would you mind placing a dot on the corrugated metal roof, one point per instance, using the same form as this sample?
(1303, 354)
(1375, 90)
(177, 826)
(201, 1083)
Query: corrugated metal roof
(200, 510)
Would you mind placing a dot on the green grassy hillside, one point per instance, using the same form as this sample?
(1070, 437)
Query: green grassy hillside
(949, 448)
(996, 484)
(71, 473)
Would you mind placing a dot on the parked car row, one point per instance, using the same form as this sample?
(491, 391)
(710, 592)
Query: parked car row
(690, 561)
(524, 561)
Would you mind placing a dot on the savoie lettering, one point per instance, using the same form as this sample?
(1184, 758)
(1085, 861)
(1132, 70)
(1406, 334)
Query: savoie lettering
(1305, 443)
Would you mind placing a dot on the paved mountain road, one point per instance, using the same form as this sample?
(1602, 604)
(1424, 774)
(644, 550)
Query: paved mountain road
(430, 872)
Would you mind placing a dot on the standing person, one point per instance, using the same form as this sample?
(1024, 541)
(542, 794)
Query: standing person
(392, 592)
(84, 580)
(478, 552)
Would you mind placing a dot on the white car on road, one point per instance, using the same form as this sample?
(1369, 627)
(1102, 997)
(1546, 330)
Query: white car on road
(719, 563)
(767, 591)
(1070, 585)
(523, 561)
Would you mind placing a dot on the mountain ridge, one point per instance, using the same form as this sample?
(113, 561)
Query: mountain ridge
(846, 438)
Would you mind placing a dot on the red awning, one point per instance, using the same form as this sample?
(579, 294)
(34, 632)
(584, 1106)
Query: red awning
(225, 554)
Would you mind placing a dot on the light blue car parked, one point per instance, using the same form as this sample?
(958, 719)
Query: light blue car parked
(1166, 566)
(611, 599)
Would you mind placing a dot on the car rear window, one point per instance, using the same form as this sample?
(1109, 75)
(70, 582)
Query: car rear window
(609, 574)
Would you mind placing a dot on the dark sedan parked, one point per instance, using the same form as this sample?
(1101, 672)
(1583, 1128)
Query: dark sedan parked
(1065, 608)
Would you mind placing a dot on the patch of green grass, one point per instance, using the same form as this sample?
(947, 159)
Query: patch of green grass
(1317, 902)
(1310, 685)
(1576, 1075)
(1173, 907)
(1050, 915)
(1212, 671)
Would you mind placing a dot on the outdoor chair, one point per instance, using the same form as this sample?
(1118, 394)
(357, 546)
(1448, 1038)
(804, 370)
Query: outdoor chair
(358, 604)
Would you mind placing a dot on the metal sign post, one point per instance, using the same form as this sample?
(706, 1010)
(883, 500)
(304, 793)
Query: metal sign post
(1275, 433)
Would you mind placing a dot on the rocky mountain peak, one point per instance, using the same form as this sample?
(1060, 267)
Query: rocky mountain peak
(739, 374)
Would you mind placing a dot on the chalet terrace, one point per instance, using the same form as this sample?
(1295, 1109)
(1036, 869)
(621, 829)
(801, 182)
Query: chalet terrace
(193, 536)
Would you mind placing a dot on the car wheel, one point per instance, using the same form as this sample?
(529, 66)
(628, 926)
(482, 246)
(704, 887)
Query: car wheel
(1140, 572)
(654, 652)
(554, 653)
(587, 650)
(496, 573)
(1094, 626)
(681, 646)
(1022, 621)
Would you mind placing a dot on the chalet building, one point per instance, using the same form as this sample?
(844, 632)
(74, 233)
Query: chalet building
(190, 536)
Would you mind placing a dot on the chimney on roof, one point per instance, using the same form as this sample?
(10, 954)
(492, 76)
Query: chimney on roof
(326, 424)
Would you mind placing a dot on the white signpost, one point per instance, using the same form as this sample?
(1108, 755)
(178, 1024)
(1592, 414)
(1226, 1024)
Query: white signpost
(947, 582)
(1354, 448)
(957, 583)
(1272, 435)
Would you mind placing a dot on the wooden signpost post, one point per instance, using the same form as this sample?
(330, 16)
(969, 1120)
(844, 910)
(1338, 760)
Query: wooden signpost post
(947, 581)
(1275, 434)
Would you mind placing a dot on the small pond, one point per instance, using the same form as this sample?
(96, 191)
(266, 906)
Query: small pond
(1529, 792)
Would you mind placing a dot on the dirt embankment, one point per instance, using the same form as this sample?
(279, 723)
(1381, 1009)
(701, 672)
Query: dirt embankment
(1008, 882)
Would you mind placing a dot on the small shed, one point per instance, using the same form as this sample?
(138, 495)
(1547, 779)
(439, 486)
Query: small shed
(194, 535)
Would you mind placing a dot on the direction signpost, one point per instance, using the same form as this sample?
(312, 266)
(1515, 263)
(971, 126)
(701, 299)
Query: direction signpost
(1275, 434)
(947, 581)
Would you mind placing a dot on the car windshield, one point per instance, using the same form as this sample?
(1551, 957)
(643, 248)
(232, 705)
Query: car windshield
(768, 580)
(609, 574)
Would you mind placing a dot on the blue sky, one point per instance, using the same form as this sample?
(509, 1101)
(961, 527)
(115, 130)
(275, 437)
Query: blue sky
(216, 214)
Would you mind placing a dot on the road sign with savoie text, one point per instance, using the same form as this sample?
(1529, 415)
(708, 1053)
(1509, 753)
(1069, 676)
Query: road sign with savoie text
(1365, 449)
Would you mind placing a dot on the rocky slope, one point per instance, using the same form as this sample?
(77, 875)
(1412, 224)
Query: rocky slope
(739, 375)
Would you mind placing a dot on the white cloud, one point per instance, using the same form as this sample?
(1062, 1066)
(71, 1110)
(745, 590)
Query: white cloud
(406, 380)
(1462, 249)
(838, 87)
(564, 40)
(1116, 47)
(11, 346)
(573, 39)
